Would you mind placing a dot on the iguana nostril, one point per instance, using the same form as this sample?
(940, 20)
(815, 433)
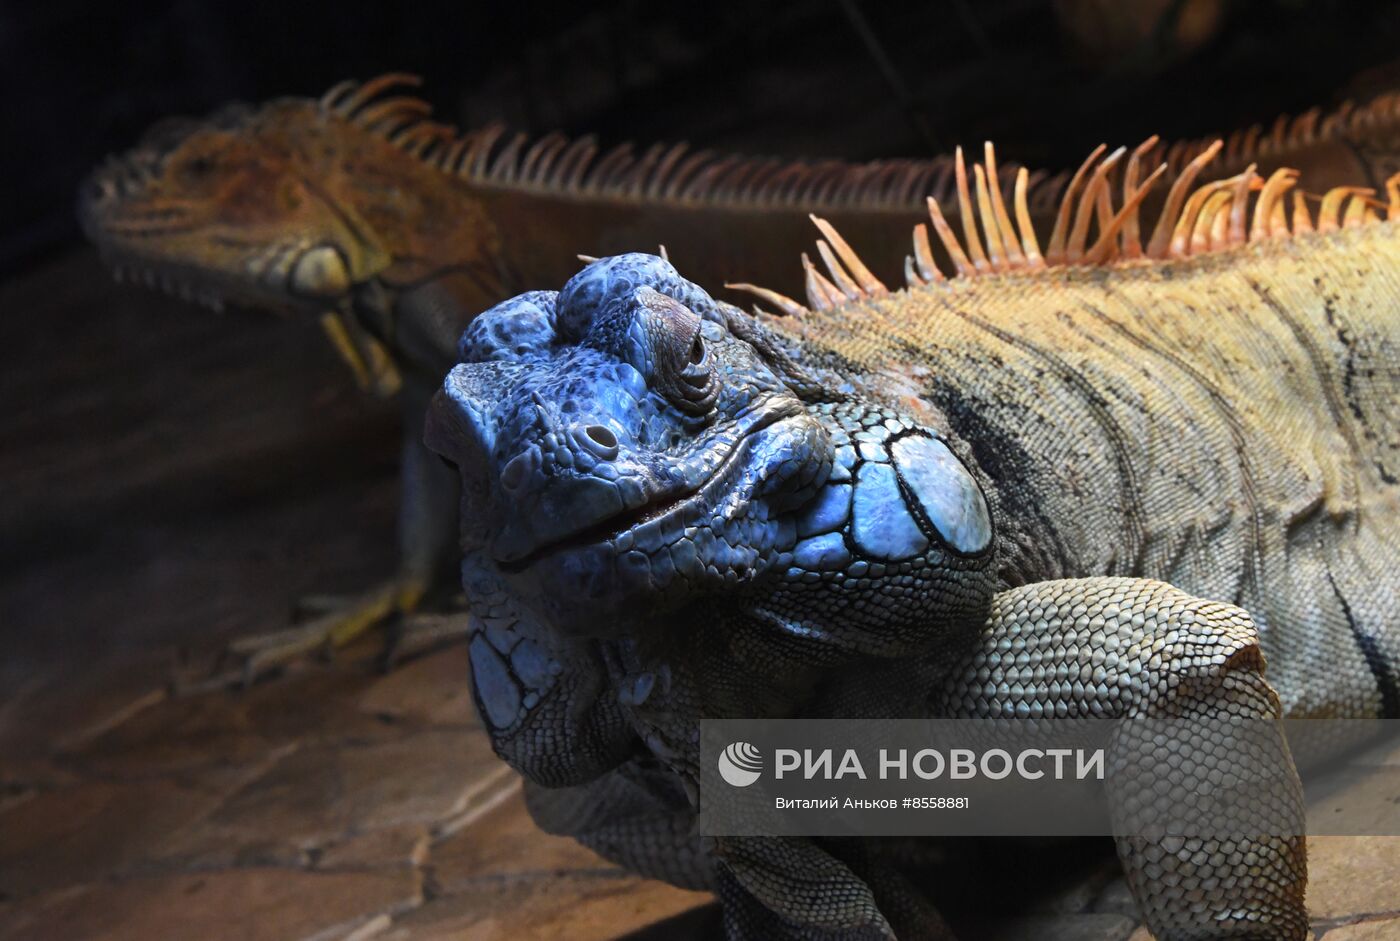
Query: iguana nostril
(599, 440)
(515, 472)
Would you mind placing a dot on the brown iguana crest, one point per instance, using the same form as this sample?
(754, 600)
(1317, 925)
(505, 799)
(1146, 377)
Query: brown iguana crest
(663, 172)
(489, 156)
(1223, 214)
(1292, 132)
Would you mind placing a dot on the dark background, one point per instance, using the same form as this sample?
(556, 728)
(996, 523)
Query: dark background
(170, 479)
(782, 76)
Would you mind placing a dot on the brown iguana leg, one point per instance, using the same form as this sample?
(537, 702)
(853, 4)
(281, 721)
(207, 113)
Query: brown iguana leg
(1145, 653)
(262, 653)
(428, 550)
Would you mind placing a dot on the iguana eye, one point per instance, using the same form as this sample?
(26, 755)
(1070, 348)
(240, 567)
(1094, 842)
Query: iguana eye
(698, 384)
(199, 167)
(685, 371)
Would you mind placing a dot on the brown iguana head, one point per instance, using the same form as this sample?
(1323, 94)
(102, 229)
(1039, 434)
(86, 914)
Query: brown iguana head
(295, 204)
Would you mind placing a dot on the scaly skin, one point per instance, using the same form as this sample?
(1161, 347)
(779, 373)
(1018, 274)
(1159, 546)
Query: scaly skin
(396, 231)
(935, 502)
(1224, 423)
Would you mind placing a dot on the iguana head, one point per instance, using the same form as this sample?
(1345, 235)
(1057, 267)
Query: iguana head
(631, 448)
(237, 207)
(299, 204)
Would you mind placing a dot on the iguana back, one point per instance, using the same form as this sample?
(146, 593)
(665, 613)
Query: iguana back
(1222, 417)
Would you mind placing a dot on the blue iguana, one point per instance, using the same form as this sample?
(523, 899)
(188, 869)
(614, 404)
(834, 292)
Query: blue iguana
(963, 498)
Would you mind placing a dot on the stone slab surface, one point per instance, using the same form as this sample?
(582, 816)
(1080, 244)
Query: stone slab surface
(333, 802)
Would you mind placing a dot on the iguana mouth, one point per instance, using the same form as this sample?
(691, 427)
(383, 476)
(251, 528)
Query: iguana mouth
(170, 280)
(617, 529)
(270, 288)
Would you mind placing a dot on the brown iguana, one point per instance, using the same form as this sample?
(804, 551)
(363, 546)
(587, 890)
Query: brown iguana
(953, 500)
(396, 229)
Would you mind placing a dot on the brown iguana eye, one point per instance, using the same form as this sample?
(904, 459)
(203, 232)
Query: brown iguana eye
(199, 167)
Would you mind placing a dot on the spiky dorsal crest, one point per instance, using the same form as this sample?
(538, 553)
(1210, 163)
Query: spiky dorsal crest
(490, 156)
(1213, 217)
(1290, 132)
(663, 172)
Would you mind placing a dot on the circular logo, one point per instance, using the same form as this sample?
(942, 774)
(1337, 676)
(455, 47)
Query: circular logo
(740, 764)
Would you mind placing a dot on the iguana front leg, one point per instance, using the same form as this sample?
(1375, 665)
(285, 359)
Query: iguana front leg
(427, 551)
(1174, 671)
(420, 325)
(633, 816)
(1140, 650)
(797, 889)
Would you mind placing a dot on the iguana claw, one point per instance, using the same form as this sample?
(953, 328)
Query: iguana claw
(258, 655)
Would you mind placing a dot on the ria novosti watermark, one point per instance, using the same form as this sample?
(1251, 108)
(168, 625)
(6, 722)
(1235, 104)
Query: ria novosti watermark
(741, 764)
(932, 764)
(1008, 777)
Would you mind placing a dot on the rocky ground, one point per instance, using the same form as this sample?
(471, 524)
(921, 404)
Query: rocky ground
(172, 480)
(336, 803)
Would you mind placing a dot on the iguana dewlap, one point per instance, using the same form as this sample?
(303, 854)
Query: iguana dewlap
(936, 501)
